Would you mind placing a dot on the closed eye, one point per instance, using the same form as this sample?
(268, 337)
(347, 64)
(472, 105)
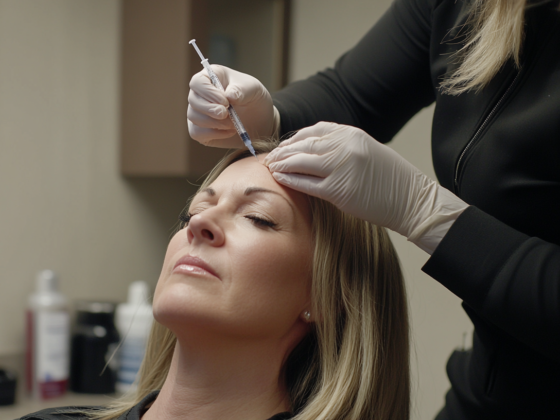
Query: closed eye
(184, 219)
(258, 221)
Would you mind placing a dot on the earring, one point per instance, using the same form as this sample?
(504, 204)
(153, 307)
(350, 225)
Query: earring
(307, 315)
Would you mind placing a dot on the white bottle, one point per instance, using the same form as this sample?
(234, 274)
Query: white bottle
(134, 321)
(48, 339)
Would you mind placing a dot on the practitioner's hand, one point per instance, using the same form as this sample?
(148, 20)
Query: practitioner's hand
(367, 179)
(209, 122)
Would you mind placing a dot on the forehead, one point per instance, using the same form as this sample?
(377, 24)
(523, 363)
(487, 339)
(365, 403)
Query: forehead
(249, 172)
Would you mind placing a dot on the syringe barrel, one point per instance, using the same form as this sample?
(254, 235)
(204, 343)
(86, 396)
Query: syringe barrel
(236, 121)
(215, 81)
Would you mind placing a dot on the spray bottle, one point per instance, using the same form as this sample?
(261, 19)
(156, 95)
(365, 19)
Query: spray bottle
(48, 336)
(133, 320)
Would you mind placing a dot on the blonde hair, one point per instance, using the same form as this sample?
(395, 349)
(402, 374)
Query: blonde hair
(354, 365)
(495, 33)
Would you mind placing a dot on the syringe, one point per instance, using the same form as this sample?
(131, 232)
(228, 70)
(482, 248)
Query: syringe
(232, 114)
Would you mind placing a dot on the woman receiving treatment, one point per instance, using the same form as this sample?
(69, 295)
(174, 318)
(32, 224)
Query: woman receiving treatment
(271, 304)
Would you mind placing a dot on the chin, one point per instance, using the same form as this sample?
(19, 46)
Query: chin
(182, 297)
(185, 315)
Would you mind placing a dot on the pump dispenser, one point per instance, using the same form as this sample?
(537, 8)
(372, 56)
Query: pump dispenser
(48, 335)
(133, 320)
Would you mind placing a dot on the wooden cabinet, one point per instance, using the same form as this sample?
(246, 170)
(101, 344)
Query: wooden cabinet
(158, 62)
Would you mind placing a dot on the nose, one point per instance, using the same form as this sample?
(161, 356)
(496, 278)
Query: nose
(203, 228)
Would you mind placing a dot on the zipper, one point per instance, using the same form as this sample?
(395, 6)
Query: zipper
(477, 134)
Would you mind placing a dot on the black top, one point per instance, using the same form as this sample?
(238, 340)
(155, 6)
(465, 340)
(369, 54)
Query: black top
(498, 150)
(135, 413)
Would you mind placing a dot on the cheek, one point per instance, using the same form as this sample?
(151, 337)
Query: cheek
(272, 275)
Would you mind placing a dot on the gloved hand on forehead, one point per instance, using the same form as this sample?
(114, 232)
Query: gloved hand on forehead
(366, 179)
(208, 118)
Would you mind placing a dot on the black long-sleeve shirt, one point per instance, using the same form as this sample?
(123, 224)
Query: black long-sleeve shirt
(499, 150)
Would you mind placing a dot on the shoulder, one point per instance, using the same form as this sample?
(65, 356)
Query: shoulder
(59, 413)
(427, 14)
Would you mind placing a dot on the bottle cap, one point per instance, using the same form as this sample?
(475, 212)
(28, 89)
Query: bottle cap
(135, 316)
(95, 307)
(138, 292)
(46, 282)
(95, 313)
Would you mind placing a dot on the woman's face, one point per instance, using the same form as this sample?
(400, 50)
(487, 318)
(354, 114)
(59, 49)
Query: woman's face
(242, 266)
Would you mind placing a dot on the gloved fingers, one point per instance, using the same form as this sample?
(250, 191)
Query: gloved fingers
(207, 135)
(204, 120)
(321, 129)
(202, 105)
(234, 94)
(246, 90)
(240, 88)
(207, 112)
(202, 85)
(304, 164)
(303, 183)
(312, 146)
(281, 153)
(317, 139)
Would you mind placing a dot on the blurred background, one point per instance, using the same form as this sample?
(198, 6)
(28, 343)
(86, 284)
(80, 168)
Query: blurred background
(96, 163)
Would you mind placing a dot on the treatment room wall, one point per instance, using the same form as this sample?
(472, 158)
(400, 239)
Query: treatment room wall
(322, 31)
(64, 204)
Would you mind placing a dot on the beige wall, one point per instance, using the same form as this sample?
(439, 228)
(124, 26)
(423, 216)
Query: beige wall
(322, 31)
(63, 203)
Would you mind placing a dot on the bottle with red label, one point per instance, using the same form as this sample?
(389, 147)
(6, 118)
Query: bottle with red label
(48, 339)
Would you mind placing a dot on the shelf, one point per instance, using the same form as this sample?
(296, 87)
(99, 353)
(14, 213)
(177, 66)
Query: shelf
(158, 63)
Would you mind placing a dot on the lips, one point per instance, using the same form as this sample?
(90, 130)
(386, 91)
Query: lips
(193, 265)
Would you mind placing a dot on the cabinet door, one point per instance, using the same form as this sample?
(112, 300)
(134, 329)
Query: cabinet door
(158, 62)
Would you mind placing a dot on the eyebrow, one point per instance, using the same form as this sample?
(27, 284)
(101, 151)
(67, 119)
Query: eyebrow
(211, 192)
(250, 190)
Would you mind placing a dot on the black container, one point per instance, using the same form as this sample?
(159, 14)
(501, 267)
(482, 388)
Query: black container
(7, 387)
(94, 341)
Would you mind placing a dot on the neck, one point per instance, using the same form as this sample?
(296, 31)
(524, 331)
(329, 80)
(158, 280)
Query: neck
(217, 380)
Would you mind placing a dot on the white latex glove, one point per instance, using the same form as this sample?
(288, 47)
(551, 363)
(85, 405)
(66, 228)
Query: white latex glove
(208, 118)
(367, 179)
